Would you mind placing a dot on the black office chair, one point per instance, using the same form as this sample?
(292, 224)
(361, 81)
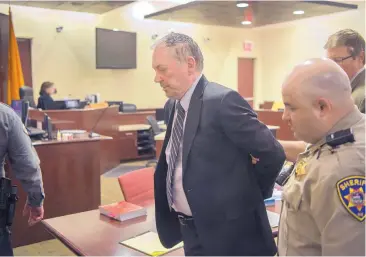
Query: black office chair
(119, 103)
(26, 93)
(155, 129)
(129, 108)
(154, 125)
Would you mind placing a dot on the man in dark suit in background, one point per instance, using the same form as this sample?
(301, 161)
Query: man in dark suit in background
(207, 191)
(347, 48)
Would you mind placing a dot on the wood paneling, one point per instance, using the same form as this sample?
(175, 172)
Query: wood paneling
(266, 105)
(134, 118)
(127, 141)
(274, 118)
(71, 176)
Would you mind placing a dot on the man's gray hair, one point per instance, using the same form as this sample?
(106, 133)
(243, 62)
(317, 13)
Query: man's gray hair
(184, 47)
(349, 38)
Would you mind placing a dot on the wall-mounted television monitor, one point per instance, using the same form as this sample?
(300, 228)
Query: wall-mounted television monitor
(115, 49)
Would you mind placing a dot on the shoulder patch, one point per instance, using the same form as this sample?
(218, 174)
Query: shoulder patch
(351, 192)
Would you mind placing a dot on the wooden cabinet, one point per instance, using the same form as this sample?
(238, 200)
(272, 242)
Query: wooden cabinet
(135, 144)
(127, 141)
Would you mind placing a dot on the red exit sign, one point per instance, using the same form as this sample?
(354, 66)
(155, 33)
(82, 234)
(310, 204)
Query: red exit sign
(248, 46)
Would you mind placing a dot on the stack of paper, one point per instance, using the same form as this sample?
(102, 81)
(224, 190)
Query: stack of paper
(149, 244)
(274, 218)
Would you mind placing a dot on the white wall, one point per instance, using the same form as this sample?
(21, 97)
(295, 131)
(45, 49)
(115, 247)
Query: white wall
(68, 58)
(283, 46)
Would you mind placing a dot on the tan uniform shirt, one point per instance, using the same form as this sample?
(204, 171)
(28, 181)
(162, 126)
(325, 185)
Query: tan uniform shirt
(323, 211)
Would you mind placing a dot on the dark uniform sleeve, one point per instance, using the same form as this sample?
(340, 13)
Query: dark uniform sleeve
(241, 125)
(24, 161)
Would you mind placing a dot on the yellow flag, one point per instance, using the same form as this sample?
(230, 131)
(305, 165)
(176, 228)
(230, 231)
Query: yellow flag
(15, 72)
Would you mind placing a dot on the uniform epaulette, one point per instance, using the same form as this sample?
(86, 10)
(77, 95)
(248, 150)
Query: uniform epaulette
(334, 140)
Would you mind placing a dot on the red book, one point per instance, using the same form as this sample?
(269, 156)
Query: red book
(122, 211)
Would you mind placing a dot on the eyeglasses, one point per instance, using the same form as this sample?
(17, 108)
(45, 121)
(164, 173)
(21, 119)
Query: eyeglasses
(341, 59)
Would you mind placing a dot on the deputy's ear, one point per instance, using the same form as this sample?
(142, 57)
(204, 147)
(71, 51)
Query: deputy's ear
(324, 106)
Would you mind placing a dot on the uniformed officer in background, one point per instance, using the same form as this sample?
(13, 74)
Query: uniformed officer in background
(323, 209)
(16, 145)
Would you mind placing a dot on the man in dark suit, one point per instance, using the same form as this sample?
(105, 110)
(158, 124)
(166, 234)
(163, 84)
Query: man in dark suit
(347, 48)
(208, 192)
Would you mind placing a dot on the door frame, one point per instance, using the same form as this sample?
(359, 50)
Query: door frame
(250, 100)
(27, 68)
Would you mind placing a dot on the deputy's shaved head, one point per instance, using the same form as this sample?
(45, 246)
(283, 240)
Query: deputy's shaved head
(316, 94)
(320, 77)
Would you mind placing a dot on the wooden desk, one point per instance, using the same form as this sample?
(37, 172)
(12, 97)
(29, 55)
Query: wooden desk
(134, 118)
(105, 121)
(92, 234)
(71, 180)
(133, 127)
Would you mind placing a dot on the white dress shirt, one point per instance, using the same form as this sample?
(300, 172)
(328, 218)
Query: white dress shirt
(180, 203)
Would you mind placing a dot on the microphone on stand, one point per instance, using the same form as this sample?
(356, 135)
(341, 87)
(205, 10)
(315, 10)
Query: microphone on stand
(91, 134)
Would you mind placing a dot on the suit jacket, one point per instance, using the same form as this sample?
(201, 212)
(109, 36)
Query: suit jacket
(225, 191)
(358, 91)
(45, 102)
(168, 107)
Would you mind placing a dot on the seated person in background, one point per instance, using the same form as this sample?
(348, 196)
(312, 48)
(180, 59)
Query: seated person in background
(45, 101)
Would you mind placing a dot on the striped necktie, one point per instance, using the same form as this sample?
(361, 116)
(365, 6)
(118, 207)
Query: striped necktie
(176, 137)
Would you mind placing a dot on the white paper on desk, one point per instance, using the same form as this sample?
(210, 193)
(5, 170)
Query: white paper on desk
(274, 218)
(149, 244)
